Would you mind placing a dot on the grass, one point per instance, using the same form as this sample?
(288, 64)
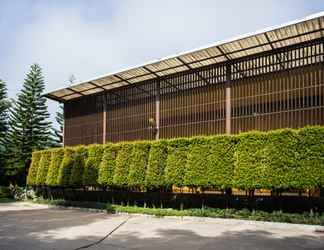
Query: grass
(245, 214)
(4, 200)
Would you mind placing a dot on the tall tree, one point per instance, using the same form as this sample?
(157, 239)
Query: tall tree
(30, 128)
(59, 131)
(4, 106)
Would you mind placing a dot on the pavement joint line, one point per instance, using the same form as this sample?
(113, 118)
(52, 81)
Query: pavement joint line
(106, 236)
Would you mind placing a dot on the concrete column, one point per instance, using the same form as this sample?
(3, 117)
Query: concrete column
(228, 99)
(228, 109)
(157, 111)
(104, 120)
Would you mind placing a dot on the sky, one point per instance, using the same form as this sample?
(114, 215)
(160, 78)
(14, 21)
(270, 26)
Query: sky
(93, 38)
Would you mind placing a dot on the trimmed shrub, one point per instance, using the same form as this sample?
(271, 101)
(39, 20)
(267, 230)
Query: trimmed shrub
(251, 164)
(53, 170)
(44, 163)
(221, 161)
(123, 161)
(311, 156)
(156, 164)
(91, 170)
(107, 165)
(66, 167)
(280, 160)
(210, 162)
(80, 156)
(176, 162)
(33, 169)
(138, 164)
(197, 164)
(277, 160)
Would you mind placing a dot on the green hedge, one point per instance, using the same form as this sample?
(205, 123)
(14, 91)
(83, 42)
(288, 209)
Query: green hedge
(281, 159)
(175, 168)
(138, 164)
(33, 169)
(107, 165)
(156, 164)
(66, 166)
(44, 163)
(80, 157)
(123, 161)
(90, 174)
(53, 170)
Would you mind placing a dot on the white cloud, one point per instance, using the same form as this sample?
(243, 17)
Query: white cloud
(72, 39)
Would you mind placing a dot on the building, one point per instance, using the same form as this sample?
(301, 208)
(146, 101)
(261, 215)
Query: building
(262, 81)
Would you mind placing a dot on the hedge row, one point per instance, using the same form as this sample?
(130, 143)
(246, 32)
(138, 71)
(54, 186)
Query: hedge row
(282, 159)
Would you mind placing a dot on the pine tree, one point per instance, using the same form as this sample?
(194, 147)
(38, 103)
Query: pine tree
(58, 132)
(30, 128)
(4, 106)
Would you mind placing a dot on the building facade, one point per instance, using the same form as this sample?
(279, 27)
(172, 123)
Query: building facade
(263, 81)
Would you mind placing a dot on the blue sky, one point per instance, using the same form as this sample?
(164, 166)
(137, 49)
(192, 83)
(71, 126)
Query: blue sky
(91, 38)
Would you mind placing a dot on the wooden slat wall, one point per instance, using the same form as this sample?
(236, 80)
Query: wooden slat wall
(268, 91)
(83, 121)
(129, 121)
(291, 99)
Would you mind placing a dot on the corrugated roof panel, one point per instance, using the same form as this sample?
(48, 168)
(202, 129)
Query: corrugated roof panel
(92, 91)
(62, 92)
(82, 87)
(70, 97)
(295, 32)
(106, 80)
(142, 78)
(115, 85)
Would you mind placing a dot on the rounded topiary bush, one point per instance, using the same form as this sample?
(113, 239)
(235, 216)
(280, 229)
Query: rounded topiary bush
(64, 174)
(44, 163)
(123, 162)
(156, 164)
(138, 164)
(57, 157)
(107, 165)
(33, 169)
(80, 157)
(91, 170)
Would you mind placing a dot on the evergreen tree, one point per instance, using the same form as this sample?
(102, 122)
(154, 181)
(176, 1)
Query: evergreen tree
(4, 106)
(30, 128)
(58, 132)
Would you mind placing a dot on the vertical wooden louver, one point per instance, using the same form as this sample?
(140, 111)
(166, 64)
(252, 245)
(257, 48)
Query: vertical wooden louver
(277, 89)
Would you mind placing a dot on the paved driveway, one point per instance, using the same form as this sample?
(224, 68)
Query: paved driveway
(27, 226)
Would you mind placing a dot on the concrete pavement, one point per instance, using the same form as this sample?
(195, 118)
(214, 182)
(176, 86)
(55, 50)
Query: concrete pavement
(41, 227)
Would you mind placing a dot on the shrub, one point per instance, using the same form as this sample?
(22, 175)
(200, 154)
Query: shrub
(310, 150)
(156, 164)
(44, 163)
(176, 162)
(33, 169)
(197, 164)
(53, 170)
(80, 156)
(221, 161)
(138, 164)
(66, 167)
(107, 165)
(90, 174)
(280, 159)
(250, 161)
(123, 162)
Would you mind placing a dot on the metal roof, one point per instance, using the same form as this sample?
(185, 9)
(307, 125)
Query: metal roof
(302, 30)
